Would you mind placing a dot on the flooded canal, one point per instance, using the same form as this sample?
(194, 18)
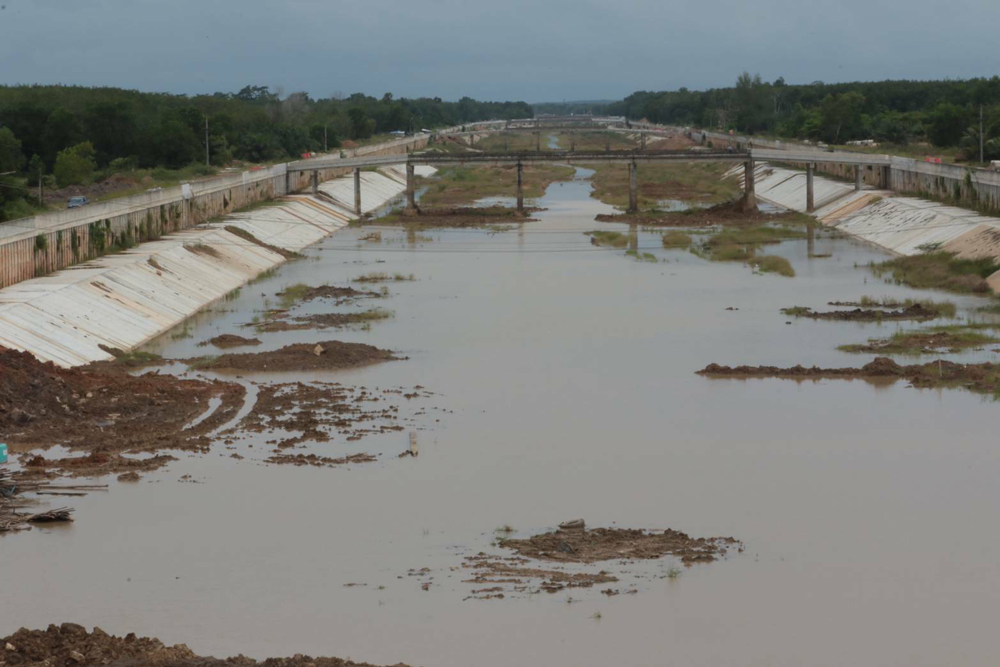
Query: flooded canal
(560, 384)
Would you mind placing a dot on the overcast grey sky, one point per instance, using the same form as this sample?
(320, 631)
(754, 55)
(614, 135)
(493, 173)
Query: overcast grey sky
(533, 50)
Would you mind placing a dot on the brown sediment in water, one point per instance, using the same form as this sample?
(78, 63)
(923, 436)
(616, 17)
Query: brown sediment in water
(70, 645)
(225, 341)
(980, 378)
(104, 413)
(324, 355)
(915, 312)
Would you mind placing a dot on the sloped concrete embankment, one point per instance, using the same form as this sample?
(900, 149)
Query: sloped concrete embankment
(902, 225)
(123, 300)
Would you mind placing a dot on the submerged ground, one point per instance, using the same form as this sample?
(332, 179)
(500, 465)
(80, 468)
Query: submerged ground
(558, 381)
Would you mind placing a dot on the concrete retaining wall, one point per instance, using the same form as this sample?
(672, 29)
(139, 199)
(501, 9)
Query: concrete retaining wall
(36, 246)
(969, 187)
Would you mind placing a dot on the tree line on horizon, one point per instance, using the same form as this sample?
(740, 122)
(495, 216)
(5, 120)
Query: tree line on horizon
(71, 135)
(944, 114)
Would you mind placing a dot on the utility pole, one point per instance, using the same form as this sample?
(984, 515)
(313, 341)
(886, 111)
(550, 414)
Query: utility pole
(208, 162)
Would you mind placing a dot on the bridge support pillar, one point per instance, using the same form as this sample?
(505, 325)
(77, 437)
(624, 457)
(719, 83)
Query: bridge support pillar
(506, 142)
(357, 190)
(810, 201)
(633, 188)
(642, 138)
(538, 142)
(411, 198)
(315, 182)
(750, 192)
(572, 141)
(520, 188)
(607, 144)
(857, 176)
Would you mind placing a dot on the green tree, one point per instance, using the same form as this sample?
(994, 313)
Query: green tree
(75, 165)
(842, 117)
(948, 123)
(11, 157)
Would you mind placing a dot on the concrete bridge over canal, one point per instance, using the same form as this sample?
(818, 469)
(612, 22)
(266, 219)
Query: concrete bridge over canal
(748, 157)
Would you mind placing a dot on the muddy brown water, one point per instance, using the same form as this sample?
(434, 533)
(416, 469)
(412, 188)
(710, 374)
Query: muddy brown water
(564, 383)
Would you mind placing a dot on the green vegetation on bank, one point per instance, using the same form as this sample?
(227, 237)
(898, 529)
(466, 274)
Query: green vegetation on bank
(939, 270)
(74, 135)
(943, 114)
(700, 183)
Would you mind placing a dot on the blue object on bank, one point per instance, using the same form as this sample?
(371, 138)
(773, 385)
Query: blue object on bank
(3, 453)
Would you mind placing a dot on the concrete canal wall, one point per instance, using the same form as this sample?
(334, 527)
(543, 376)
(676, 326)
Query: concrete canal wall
(37, 246)
(121, 300)
(970, 187)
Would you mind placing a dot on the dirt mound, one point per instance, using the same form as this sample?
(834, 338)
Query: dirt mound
(70, 645)
(229, 340)
(325, 355)
(980, 378)
(578, 545)
(105, 411)
(339, 294)
(915, 312)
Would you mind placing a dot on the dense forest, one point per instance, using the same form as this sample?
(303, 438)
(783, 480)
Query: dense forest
(942, 113)
(74, 135)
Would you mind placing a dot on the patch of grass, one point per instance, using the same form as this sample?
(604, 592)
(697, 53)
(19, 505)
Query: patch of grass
(939, 270)
(676, 240)
(763, 234)
(608, 239)
(774, 264)
(202, 249)
(465, 185)
(698, 182)
(729, 253)
(264, 275)
(381, 277)
(942, 308)
(293, 294)
(506, 528)
(673, 573)
(643, 257)
(933, 340)
(796, 311)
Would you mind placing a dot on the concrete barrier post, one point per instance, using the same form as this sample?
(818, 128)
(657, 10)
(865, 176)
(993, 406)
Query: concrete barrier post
(357, 190)
(750, 193)
(633, 188)
(315, 182)
(520, 187)
(857, 176)
(810, 202)
(411, 200)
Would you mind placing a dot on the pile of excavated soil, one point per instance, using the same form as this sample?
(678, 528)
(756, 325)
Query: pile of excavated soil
(325, 355)
(229, 340)
(70, 645)
(915, 312)
(106, 412)
(979, 378)
(578, 545)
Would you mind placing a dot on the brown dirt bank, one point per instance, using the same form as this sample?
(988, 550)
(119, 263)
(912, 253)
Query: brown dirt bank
(915, 343)
(980, 378)
(325, 355)
(105, 412)
(578, 545)
(70, 645)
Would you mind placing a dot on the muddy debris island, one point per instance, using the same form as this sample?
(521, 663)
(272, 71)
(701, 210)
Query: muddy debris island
(497, 576)
(70, 645)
